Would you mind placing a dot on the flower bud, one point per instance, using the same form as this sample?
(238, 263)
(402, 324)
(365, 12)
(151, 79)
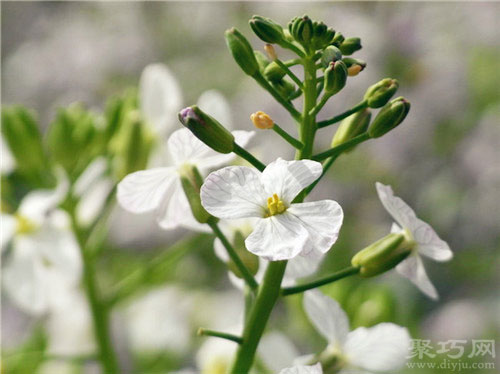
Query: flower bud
(262, 60)
(271, 52)
(351, 127)
(322, 35)
(338, 39)
(350, 45)
(285, 87)
(273, 72)
(267, 30)
(301, 29)
(330, 54)
(192, 181)
(250, 260)
(354, 65)
(261, 120)
(384, 254)
(391, 115)
(335, 77)
(242, 51)
(380, 93)
(207, 129)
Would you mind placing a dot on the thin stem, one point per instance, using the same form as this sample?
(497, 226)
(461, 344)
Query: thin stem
(321, 103)
(247, 276)
(258, 317)
(320, 282)
(340, 117)
(243, 153)
(293, 47)
(280, 99)
(342, 147)
(220, 334)
(326, 165)
(290, 139)
(290, 73)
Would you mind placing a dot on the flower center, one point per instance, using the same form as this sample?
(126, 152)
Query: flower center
(275, 205)
(24, 225)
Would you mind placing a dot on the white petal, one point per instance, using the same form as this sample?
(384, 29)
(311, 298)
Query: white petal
(327, 316)
(396, 207)
(234, 192)
(90, 175)
(413, 269)
(429, 243)
(184, 147)
(288, 178)
(145, 190)
(160, 97)
(279, 237)
(93, 200)
(216, 105)
(7, 161)
(8, 228)
(381, 348)
(322, 219)
(300, 267)
(276, 351)
(314, 369)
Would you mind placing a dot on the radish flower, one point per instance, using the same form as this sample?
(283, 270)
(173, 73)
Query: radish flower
(315, 369)
(284, 230)
(427, 242)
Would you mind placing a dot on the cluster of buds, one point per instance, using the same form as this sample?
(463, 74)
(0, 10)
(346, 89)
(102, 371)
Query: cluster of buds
(309, 33)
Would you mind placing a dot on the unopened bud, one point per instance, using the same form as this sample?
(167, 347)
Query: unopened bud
(350, 45)
(322, 35)
(191, 181)
(273, 72)
(380, 93)
(301, 29)
(262, 60)
(384, 254)
(285, 87)
(330, 54)
(242, 51)
(391, 115)
(261, 120)
(354, 65)
(351, 127)
(338, 39)
(267, 30)
(335, 77)
(207, 129)
(271, 52)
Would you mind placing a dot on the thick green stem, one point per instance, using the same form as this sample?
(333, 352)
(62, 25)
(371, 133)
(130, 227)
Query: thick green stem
(335, 151)
(307, 129)
(340, 117)
(243, 153)
(320, 282)
(258, 317)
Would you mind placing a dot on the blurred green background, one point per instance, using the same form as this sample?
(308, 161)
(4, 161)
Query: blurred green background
(443, 160)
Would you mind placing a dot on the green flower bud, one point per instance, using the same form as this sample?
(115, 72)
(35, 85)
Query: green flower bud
(351, 127)
(262, 60)
(191, 181)
(335, 77)
(242, 51)
(330, 54)
(273, 72)
(250, 260)
(384, 254)
(380, 93)
(117, 108)
(338, 39)
(391, 115)
(301, 29)
(284, 87)
(267, 30)
(350, 45)
(354, 65)
(207, 129)
(322, 35)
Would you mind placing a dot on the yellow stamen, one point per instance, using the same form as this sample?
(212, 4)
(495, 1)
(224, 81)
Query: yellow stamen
(24, 225)
(275, 205)
(261, 120)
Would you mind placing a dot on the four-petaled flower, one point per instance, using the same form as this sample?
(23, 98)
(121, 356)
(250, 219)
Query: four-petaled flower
(427, 241)
(380, 348)
(284, 229)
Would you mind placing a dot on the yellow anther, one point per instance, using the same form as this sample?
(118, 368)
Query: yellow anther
(24, 225)
(261, 120)
(275, 205)
(354, 70)
(271, 52)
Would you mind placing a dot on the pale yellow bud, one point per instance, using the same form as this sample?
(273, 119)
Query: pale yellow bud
(354, 70)
(271, 52)
(261, 120)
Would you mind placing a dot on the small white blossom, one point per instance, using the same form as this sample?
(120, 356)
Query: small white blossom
(284, 230)
(427, 241)
(300, 369)
(44, 260)
(160, 190)
(380, 348)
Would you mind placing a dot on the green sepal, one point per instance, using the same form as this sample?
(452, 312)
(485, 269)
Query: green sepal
(242, 51)
(335, 77)
(350, 45)
(330, 54)
(191, 181)
(390, 116)
(267, 30)
(381, 92)
(273, 72)
(351, 127)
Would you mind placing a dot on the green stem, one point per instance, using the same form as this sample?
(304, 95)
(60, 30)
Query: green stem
(243, 153)
(293, 48)
(290, 139)
(340, 117)
(327, 165)
(258, 317)
(335, 151)
(220, 334)
(321, 103)
(245, 273)
(290, 73)
(320, 282)
(307, 129)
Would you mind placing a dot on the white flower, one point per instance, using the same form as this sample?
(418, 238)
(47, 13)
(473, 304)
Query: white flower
(160, 190)
(7, 161)
(45, 257)
(300, 369)
(284, 230)
(380, 348)
(427, 241)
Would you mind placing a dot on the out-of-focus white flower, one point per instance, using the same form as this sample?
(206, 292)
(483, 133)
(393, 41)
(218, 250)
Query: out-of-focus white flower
(277, 351)
(160, 189)
(300, 369)
(215, 356)
(57, 367)
(7, 162)
(45, 258)
(160, 320)
(427, 241)
(213, 102)
(284, 230)
(381, 348)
